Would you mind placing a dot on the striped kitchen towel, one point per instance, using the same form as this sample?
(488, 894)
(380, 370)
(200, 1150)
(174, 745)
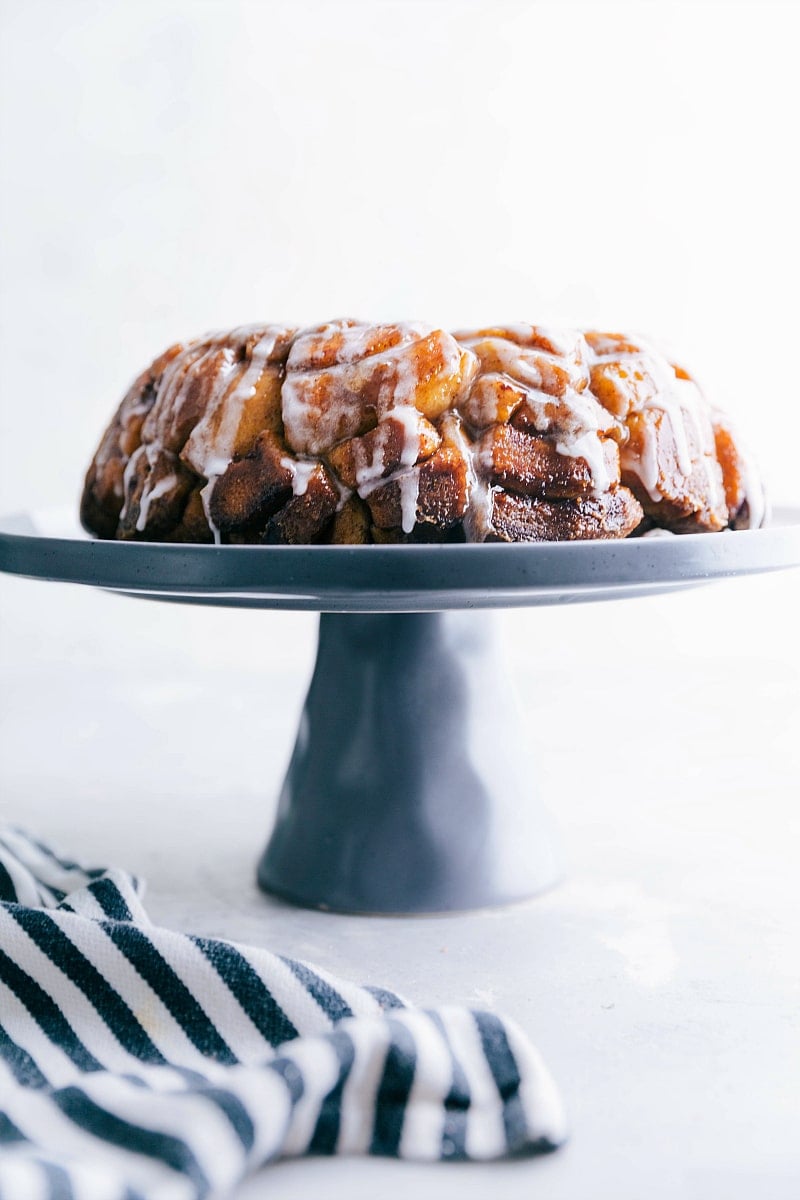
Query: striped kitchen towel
(137, 1063)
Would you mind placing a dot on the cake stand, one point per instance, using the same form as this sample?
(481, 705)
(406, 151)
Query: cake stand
(411, 786)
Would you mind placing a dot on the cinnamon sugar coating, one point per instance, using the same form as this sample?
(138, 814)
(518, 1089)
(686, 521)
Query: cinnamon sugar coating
(351, 432)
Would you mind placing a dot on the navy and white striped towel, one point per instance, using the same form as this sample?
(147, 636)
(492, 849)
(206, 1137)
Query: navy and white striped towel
(136, 1062)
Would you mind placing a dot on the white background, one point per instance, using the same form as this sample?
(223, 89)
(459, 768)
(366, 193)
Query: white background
(177, 166)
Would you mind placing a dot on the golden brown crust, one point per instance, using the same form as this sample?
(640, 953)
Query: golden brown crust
(351, 524)
(307, 515)
(357, 433)
(157, 489)
(254, 486)
(731, 464)
(669, 458)
(193, 525)
(341, 379)
(379, 453)
(103, 490)
(532, 466)
(684, 501)
(438, 489)
(522, 519)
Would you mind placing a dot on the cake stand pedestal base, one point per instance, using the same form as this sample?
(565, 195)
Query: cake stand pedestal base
(410, 788)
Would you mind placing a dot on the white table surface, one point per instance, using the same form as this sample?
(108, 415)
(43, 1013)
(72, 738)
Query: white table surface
(661, 980)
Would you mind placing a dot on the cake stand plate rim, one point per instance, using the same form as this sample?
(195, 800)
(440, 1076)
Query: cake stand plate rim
(48, 545)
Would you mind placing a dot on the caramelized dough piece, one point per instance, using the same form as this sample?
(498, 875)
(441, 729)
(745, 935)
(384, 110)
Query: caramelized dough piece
(523, 519)
(670, 458)
(343, 377)
(245, 401)
(213, 394)
(609, 343)
(544, 373)
(351, 524)
(548, 368)
(745, 509)
(254, 486)
(193, 525)
(493, 399)
(157, 486)
(434, 493)
(103, 490)
(347, 340)
(730, 465)
(624, 386)
(205, 401)
(528, 419)
(305, 517)
(533, 466)
(652, 466)
(550, 360)
(187, 389)
(396, 442)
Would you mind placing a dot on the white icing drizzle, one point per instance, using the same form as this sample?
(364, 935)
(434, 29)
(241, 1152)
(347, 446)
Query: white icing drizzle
(140, 409)
(322, 405)
(576, 426)
(535, 345)
(127, 478)
(205, 498)
(344, 492)
(644, 466)
(517, 352)
(409, 419)
(168, 402)
(301, 471)
(480, 493)
(212, 443)
(554, 382)
(358, 339)
(682, 403)
(299, 417)
(409, 494)
(754, 496)
(479, 517)
(371, 472)
(175, 382)
(408, 483)
(679, 407)
(589, 447)
(483, 405)
(162, 488)
(401, 390)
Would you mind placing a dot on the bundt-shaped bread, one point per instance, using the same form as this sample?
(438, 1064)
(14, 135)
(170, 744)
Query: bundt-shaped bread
(351, 432)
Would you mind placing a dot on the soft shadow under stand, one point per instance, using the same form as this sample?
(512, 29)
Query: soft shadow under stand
(410, 788)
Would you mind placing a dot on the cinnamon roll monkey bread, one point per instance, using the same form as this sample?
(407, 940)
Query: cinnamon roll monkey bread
(350, 432)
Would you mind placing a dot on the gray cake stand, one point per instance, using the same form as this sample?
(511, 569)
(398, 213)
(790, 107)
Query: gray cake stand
(411, 786)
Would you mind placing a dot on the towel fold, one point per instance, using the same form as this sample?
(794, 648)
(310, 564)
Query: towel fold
(138, 1063)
